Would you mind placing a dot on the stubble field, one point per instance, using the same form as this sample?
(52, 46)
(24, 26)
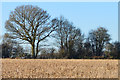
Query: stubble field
(59, 68)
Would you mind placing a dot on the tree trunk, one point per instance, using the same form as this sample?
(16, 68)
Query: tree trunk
(37, 50)
(33, 51)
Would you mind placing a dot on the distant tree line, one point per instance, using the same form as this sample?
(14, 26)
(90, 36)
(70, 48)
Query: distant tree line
(33, 25)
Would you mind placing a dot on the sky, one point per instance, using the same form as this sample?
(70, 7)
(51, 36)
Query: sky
(84, 15)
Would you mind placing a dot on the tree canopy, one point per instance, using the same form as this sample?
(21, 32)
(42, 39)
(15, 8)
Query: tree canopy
(31, 24)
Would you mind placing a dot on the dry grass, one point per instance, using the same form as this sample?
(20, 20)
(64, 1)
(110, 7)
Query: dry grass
(52, 68)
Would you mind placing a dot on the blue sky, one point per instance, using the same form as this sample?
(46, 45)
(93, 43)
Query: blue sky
(84, 15)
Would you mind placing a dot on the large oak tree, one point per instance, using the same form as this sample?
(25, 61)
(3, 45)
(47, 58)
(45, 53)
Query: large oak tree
(31, 24)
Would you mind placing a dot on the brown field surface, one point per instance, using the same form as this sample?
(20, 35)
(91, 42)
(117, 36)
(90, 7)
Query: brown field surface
(59, 68)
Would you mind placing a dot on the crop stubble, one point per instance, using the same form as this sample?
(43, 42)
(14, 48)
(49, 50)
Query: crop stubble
(59, 68)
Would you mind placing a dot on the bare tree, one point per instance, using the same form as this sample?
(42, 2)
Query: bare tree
(31, 24)
(10, 48)
(113, 50)
(68, 37)
(98, 38)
